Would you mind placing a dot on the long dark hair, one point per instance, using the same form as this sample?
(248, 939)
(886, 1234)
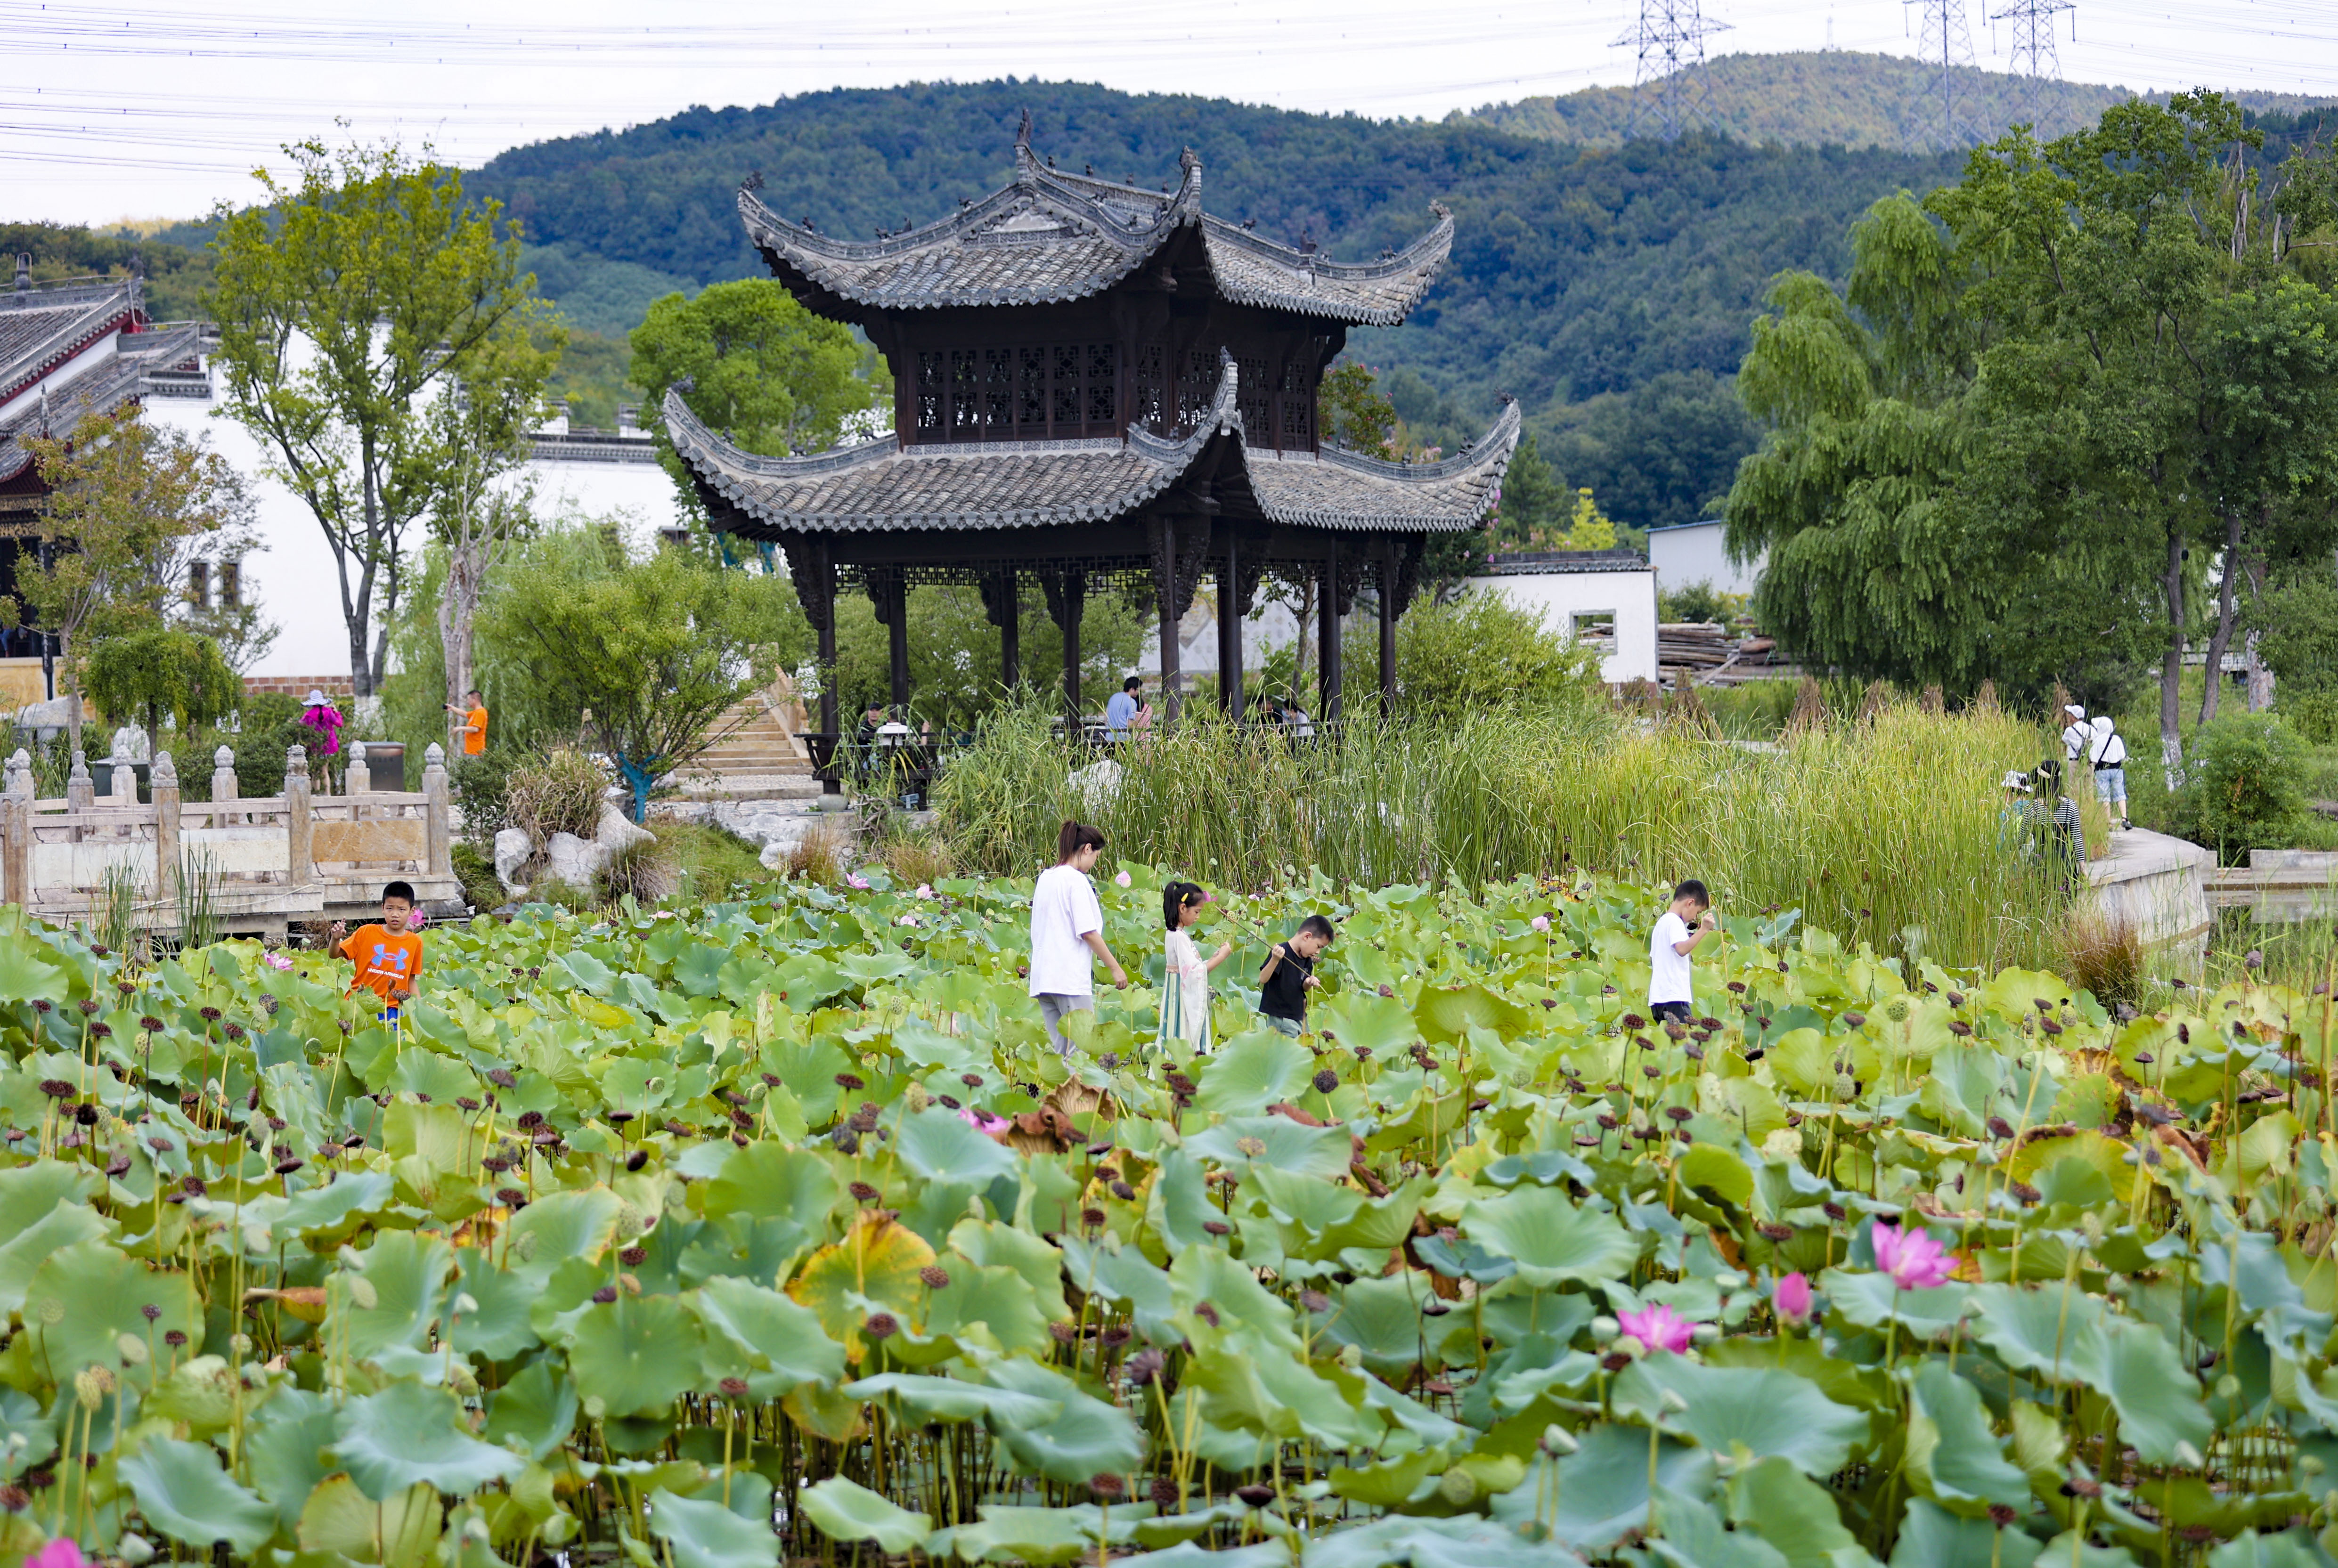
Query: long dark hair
(1176, 897)
(1074, 837)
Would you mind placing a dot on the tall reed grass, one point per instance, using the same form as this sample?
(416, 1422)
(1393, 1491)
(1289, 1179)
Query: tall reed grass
(1885, 830)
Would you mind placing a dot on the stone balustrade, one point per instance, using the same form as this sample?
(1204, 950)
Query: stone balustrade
(264, 862)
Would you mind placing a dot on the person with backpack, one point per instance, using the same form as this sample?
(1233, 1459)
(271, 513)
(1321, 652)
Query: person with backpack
(2107, 750)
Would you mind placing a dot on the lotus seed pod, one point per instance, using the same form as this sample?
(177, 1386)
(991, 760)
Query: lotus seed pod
(362, 1294)
(1728, 1280)
(1629, 1345)
(1457, 1486)
(1351, 1357)
(1705, 1334)
(2307, 1464)
(1602, 1329)
(132, 1349)
(466, 1304)
(595, 1408)
(133, 1549)
(2228, 1387)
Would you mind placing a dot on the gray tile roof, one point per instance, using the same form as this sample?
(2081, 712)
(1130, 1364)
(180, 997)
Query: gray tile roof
(1341, 489)
(881, 487)
(101, 390)
(40, 329)
(1052, 237)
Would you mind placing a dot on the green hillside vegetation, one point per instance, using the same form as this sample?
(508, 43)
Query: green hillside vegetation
(1850, 99)
(176, 276)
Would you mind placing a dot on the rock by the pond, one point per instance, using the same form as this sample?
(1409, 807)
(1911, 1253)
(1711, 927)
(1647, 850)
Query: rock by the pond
(513, 849)
(760, 822)
(613, 832)
(780, 847)
(574, 861)
(1097, 785)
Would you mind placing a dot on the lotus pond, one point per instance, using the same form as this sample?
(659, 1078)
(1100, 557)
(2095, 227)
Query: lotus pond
(699, 1240)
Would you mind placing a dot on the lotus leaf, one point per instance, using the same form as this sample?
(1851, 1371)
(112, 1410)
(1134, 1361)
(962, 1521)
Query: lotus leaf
(185, 1493)
(708, 1536)
(845, 1511)
(1552, 1240)
(411, 1436)
(635, 1355)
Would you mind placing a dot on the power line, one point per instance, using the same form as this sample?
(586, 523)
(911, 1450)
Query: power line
(1669, 88)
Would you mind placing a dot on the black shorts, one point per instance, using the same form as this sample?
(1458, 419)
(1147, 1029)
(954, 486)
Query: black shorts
(1677, 1012)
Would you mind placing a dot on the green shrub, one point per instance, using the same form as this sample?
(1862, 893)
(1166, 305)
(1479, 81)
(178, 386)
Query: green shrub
(557, 791)
(1700, 601)
(1480, 652)
(481, 790)
(2246, 785)
(2314, 715)
(476, 872)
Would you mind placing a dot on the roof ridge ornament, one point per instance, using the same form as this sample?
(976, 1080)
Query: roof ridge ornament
(753, 182)
(1026, 163)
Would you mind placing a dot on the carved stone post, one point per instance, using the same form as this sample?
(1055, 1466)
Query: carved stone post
(125, 790)
(361, 777)
(299, 861)
(81, 790)
(441, 862)
(16, 831)
(224, 787)
(166, 789)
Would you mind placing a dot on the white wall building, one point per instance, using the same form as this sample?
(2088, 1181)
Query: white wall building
(1606, 597)
(63, 347)
(1687, 553)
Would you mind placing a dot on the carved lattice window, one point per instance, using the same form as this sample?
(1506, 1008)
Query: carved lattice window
(1020, 392)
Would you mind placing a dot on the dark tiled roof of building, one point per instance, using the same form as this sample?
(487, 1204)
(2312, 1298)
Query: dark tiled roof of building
(881, 485)
(1052, 237)
(1341, 489)
(41, 328)
(101, 390)
(1545, 563)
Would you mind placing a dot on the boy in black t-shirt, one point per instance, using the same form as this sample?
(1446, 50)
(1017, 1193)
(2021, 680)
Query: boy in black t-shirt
(1290, 974)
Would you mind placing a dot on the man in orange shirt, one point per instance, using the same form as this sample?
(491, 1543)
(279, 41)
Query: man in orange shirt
(474, 723)
(388, 955)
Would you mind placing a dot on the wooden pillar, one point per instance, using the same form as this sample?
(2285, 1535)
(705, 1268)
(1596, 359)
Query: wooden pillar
(163, 783)
(300, 863)
(1075, 593)
(1388, 627)
(1164, 585)
(1326, 663)
(1230, 634)
(439, 855)
(1010, 630)
(889, 592)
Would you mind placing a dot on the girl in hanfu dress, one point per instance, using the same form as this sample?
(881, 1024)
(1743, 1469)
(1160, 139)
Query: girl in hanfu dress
(1185, 981)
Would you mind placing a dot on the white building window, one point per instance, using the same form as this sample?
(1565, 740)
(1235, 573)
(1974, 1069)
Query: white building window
(230, 584)
(199, 584)
(1597, 627)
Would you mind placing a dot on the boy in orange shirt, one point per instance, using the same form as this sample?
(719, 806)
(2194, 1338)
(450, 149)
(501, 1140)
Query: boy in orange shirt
(474, 723)
(389, 956)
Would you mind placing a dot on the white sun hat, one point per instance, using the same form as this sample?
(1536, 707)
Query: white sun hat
(2015, 778)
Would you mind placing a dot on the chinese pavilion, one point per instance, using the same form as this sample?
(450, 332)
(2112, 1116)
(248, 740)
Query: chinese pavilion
(1095, 383)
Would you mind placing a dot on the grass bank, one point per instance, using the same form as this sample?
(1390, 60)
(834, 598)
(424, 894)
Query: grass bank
(1885, 830)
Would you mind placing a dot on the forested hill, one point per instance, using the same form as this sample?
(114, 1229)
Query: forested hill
(1848, 99)
(1577, 270)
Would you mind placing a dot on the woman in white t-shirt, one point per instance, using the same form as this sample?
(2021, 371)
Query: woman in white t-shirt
(1067, 932)
(1186, 976)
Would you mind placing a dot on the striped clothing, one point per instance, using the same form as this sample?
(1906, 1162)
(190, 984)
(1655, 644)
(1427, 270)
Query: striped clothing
(1184, 998)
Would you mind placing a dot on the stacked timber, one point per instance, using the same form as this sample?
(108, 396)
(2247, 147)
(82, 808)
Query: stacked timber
(1708, 653)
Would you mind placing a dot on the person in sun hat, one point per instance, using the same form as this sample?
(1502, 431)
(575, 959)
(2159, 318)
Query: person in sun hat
(2074, 733)
(2013, 817)
(2107, 750)
(2056, 830)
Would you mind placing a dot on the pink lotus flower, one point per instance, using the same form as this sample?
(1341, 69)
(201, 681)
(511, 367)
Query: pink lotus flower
(416, 920)
(1123, 880)
(925, 890)
(1913, 1259)
(1540, 922)
(276, 960)
(982, 1121)
(1791, 1297)
(1658, 1327)
(855, 880)
(61, 1553)
(911, 920)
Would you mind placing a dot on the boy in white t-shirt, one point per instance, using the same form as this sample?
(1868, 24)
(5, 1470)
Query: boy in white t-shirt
(1067, 932)
(1679, 933)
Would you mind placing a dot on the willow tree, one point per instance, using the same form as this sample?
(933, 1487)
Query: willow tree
(2008, 448)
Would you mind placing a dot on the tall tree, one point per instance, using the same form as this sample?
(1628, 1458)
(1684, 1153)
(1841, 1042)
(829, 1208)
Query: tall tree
(478, 427)
(343, 302)
(775, 378)
(644, 656)
(129, 502)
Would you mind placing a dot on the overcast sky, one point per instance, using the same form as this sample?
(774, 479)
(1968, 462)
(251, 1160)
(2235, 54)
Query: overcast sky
(158, 111)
